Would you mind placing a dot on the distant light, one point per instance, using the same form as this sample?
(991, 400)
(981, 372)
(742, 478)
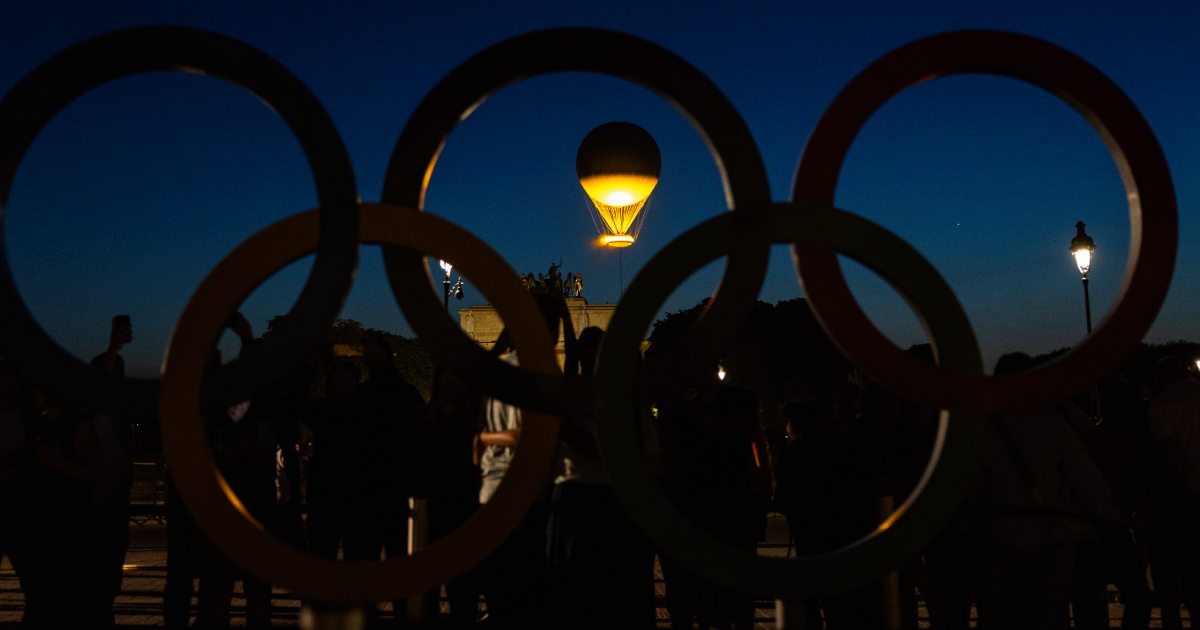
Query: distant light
(445, 266)
(345, 350)
(721, 372)
(1198, 364)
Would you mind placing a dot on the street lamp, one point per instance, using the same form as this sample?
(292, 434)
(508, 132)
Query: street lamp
(446, 288)
(1082, 247)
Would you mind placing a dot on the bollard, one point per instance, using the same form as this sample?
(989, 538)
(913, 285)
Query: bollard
(329, 616)
(791, 614)
(420, 609)
(889, 587)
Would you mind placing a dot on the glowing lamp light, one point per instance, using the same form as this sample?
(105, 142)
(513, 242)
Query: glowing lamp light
(445, 266)
(1083, 260)
(721, 372)
(1082, 247)
(1198, 364)
(618, 164)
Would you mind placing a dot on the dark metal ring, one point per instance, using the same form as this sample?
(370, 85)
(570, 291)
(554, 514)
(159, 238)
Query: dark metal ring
(914, 523)
(747, 192)
(216, 508)
(1143, 167)
(45, 91)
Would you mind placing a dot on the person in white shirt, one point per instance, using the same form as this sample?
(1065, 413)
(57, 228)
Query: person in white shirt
(515, 575)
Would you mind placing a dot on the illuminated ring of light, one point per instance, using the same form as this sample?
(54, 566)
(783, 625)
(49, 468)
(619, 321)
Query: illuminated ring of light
(603, 52)
(1143, 167)
(617, 240)
(912, 526)
(215, 507)
(53, 85)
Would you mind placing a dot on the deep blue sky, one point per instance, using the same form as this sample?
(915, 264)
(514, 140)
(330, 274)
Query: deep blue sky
(132, 194)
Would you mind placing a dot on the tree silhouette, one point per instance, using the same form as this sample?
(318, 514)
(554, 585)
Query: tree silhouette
(414, 363)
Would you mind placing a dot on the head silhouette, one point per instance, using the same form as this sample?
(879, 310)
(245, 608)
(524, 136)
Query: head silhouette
(550, 313)
(1122, 404)
(589, 348)
(802, 418)
(341, 382)
(1012, 363)
(1169, 370)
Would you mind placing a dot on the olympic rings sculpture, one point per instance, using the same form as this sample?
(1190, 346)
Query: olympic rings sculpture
(815, 229)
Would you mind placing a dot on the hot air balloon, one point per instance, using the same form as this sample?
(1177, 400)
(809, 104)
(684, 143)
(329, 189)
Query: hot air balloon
(618, 165)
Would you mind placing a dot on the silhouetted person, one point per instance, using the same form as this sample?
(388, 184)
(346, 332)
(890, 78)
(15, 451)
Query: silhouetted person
(797, 487)
(871, 463)
(356, 486)
(1120, 447)
(19, 530)
(797, 474)
(943, 570)
(13, 451)
(110, 360)
(1034, 470)
(356, 492)
(244, 450)
(182, 538)
(448, 477)
(73, 517)
(515, 575)
(602, 567)
(104, 443)
(55, 503)
(844, 414)
(709, 459)
(1175, 427)
(188, 550)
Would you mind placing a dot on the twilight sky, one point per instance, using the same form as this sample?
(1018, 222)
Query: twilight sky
(134, 192)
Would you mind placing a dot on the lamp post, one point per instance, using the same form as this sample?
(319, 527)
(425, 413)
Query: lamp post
(1082, 247)
(446, 285)
(446, 288)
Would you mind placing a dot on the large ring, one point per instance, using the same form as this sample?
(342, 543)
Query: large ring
(911, 526)
(747, 192)
(1143, 167)
(41, 94)
(817, 231)
(216, 508)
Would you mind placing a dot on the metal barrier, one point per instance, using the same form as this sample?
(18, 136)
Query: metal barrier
(148, 494)
(815, 230)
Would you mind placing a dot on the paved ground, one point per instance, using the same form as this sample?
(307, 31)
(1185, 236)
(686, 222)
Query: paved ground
(140, 602)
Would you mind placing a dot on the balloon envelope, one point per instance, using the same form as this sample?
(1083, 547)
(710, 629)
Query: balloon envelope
(618, 164)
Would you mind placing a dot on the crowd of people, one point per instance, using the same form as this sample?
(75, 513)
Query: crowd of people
(1062, 506)
(331, 457)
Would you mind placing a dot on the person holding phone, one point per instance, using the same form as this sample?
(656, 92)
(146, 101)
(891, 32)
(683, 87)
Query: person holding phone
(110, 360)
